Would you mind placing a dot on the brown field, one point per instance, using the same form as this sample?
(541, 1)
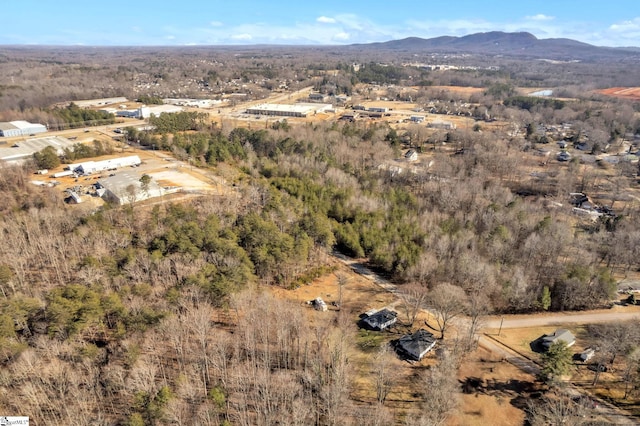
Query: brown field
(499, 399)
(465, 91)
(631, 93)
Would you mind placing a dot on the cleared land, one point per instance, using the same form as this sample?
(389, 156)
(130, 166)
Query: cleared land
(631, 93)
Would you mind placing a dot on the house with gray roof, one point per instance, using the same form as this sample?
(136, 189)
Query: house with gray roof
(415, 346)
(558, 335)
(380, 320)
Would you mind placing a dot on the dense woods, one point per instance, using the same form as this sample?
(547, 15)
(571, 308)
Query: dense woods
(159, 314)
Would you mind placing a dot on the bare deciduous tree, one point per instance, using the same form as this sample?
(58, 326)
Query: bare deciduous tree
(413, 297)
(447, 301)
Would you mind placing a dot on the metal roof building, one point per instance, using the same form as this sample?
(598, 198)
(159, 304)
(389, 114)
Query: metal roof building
(89, 167)
(297, 110)
(126, 187)
(20, 128)
(22, 150)
(99, 102)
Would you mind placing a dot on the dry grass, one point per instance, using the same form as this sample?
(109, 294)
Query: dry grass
(498, 400)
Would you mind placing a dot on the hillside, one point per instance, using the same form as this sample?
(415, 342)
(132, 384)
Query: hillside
(520, 44)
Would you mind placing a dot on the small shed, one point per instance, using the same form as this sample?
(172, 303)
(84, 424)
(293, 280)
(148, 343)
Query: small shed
(587, 354)
(416, 345)
(559, 335)
(411, 155)
(380, 320)
(319, 304)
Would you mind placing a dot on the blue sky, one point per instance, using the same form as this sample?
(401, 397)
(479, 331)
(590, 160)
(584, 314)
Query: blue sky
(215, 22)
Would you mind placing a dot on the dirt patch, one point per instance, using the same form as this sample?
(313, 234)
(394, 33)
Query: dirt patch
(359, 294)
(631, 93)
(494, 391)
(460, 90)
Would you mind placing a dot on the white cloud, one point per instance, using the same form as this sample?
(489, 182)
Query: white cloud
(325, 20)
(540, 17)
(352, 28)
(631, 25)
(244, 36)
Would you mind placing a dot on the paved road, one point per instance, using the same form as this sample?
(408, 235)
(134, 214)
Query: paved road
(618, 313)
(611, 413)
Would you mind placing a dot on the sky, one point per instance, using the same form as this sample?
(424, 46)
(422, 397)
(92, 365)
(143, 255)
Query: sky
(304, 22)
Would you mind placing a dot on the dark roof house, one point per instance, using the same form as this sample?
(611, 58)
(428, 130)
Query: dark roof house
(416, 345)
(558, 335)
(380, 320)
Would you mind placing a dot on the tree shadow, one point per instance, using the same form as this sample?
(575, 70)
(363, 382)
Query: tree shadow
(521, 391)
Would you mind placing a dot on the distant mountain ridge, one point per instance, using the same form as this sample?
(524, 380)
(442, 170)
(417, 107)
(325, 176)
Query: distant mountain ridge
(521, 44)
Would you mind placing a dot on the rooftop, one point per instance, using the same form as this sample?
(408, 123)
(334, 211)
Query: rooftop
(28, 147)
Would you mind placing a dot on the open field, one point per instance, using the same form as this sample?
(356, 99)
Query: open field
(500, 395)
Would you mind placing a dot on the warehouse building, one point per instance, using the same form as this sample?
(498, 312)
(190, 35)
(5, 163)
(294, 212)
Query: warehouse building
(148, 111)
(127, 188)
(90, 167)
(443, 125)
(100, 102)
(23, 150)
(20, 128)
(297, 110)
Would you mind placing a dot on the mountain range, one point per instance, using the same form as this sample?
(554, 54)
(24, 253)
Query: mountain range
(520, 44)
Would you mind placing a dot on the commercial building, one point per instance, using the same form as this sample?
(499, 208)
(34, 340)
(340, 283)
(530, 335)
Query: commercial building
(443, 125)
(22, 150)
(100, 102)
(127, 188)
(20, 128)
(148, 111)
(194, 103)
(318, 97)
(90, 167)
(296, 110)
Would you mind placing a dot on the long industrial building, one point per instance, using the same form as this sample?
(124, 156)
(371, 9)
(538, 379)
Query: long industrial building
(22, 150)
(20, 128)
(90, 167)
(148, 111)
(88, 103)
(281, 110)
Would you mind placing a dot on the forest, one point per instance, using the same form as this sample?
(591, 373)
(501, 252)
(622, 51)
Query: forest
(163, 314)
